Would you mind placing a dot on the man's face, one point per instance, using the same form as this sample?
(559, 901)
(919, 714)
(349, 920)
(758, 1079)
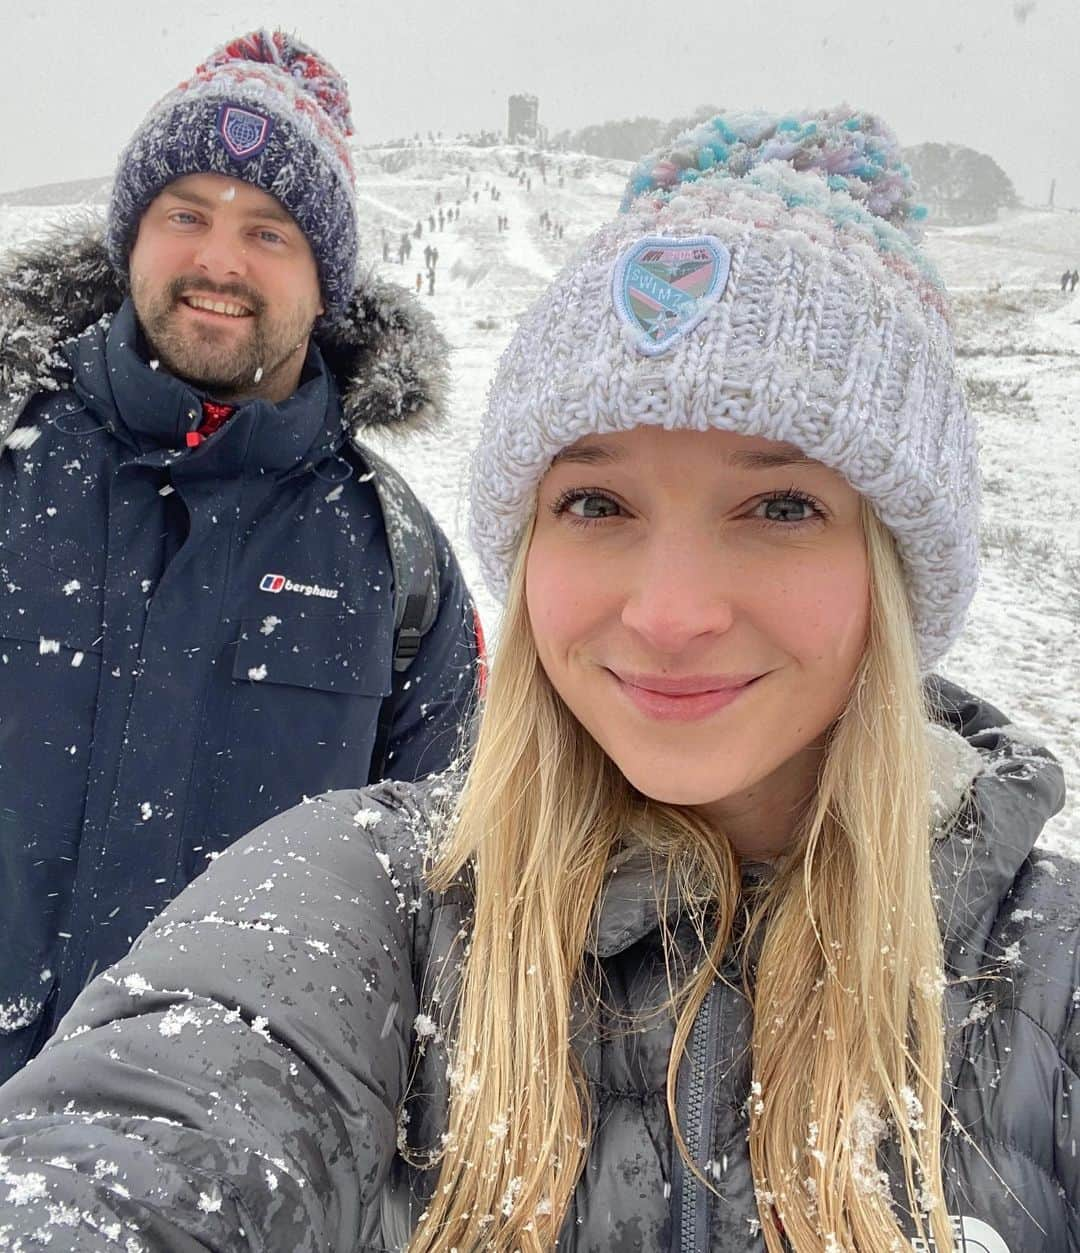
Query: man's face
(225, 287)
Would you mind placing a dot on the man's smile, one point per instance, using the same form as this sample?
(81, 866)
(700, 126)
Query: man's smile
(226, 307)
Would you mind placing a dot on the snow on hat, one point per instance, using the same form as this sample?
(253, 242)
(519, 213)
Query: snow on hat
(266, 109)
(763, 277)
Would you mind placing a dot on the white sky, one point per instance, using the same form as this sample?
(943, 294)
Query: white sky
(999, 75)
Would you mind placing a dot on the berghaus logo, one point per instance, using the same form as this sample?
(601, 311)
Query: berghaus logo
(279, 583)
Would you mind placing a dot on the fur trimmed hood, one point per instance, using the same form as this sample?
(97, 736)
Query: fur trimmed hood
(387, 357)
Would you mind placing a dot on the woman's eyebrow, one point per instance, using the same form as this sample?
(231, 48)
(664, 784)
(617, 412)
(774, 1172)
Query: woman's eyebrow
(587, 454)
(769, 460)
(593, 454)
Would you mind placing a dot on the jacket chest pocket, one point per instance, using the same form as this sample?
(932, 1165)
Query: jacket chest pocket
(346, 654)
(55, 607)
(303, 703)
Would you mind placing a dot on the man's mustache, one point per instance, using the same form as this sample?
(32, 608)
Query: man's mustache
(180, 287)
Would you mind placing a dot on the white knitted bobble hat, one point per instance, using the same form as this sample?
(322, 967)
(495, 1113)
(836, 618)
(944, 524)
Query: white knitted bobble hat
(763, 277)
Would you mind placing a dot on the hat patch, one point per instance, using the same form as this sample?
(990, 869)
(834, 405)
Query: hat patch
(663, 286)
(243, 132)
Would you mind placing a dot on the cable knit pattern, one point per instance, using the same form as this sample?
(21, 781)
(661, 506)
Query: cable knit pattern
(832, 333)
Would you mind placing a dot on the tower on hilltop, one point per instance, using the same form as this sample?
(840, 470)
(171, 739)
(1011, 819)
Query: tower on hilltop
(523, 119)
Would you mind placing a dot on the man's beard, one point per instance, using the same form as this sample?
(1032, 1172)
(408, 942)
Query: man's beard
(230, 367)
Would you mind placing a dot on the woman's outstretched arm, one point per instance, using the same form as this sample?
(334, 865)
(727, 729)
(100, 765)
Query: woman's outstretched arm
(234, 1081)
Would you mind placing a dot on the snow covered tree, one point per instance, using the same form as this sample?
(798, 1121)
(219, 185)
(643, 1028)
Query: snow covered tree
(959, 185)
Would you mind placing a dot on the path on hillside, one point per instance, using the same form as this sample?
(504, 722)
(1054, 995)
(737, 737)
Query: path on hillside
(522, 250)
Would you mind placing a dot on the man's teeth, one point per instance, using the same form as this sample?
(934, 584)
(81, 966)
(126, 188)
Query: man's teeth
(217, 306)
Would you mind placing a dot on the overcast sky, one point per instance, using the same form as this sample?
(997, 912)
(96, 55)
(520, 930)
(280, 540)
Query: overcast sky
(999, 75)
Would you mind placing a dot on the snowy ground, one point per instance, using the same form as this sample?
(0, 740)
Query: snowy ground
(1018, 336)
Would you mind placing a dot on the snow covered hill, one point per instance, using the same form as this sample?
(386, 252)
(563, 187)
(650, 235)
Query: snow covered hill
(1018, 335)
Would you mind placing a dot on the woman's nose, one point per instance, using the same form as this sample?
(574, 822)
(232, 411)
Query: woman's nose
(678, 593)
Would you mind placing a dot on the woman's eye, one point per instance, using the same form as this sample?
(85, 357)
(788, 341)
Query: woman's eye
(788, 508)
(587, 506)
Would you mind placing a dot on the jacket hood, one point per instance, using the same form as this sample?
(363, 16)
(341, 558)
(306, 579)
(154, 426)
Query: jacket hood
(387, 357)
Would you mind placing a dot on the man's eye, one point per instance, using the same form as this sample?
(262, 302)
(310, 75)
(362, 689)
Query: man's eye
(183, 218)
(271, 237)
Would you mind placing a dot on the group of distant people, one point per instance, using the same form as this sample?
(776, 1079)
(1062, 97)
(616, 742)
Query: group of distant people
(1069, 280)
(553, 228)
(439, 216)
(431, 260)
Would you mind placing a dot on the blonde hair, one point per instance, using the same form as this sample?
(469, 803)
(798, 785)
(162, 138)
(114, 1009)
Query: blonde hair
(847, 957)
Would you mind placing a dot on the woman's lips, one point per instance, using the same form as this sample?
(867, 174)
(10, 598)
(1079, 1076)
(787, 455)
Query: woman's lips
(682, 700)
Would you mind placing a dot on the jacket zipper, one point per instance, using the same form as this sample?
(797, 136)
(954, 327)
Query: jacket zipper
(695, 1118)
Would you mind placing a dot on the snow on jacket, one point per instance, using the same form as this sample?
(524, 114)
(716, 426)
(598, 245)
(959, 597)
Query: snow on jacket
(237, 1082)
(191, 639)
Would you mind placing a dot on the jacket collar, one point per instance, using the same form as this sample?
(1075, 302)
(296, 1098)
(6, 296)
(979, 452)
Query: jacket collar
(388, 361)
(992, 793)
(152, 410)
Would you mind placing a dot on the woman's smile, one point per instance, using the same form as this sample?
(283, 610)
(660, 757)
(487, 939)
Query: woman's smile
(681, 700)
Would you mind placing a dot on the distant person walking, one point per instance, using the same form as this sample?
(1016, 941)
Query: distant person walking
(1073, 280)
(1066, 279)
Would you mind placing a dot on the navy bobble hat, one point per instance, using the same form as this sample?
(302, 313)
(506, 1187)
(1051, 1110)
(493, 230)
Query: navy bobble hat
(266, 109)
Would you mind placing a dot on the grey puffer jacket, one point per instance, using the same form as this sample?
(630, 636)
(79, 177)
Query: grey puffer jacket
(237, 1082)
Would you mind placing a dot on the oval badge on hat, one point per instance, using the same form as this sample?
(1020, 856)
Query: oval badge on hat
(663, 287)
(243, 131)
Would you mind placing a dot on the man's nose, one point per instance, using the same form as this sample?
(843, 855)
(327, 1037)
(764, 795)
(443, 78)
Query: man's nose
(219, 254)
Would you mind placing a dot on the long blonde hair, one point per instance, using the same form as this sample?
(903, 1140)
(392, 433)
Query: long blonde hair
(847, 958)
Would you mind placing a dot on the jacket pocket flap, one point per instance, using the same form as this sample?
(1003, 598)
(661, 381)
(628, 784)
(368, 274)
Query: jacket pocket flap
(347, 653)
(39, 604)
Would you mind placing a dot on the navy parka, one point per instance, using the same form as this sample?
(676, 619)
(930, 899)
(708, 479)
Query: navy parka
(191, 639)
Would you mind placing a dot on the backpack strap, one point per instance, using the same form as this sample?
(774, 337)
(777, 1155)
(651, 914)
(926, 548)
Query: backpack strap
(415, 566)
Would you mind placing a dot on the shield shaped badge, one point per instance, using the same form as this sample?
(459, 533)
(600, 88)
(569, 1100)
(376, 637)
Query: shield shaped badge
(243, 132)
(663, 286)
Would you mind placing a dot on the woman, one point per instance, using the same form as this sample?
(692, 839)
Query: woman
(728, 937)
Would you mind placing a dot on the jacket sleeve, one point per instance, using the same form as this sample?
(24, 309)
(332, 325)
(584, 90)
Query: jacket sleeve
(432, 721)
(234, 1082)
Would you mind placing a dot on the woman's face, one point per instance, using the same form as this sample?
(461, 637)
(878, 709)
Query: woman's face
(700, 602)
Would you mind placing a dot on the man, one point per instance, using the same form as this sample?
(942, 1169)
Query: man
(213, 600)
